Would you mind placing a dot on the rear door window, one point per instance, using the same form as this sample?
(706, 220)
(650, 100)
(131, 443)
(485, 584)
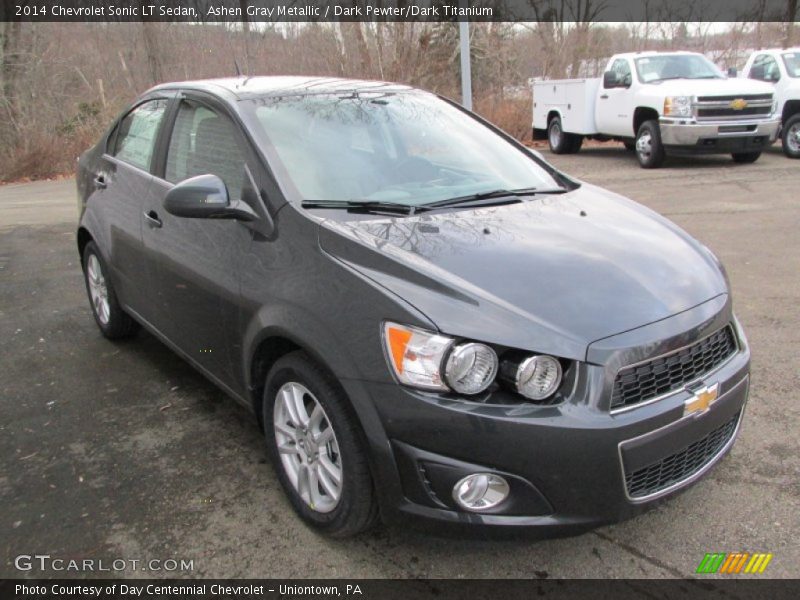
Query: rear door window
(136, 134)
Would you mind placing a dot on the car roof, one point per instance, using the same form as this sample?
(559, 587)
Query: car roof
(652, 53)
(248, 87)
(777, 50)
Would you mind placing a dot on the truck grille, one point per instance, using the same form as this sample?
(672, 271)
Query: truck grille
(669, 372)
(680, 466)
(712, 108)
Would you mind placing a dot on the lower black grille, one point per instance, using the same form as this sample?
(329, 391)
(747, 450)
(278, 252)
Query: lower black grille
(681, 465)
(672, 371)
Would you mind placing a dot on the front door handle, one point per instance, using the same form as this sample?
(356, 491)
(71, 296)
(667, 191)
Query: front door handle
(604, 97)
(152, 219)
(100, 182)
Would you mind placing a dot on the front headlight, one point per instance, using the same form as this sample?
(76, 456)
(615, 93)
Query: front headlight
(416, 355)
(678, 106)
(427, 360)
(471, 368)
(538, 377)
(431, 361)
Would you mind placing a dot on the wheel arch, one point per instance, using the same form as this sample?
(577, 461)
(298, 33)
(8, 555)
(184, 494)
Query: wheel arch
(790, 108)
(83, 238)
(552, 114)
(642, 114)
(271, 335)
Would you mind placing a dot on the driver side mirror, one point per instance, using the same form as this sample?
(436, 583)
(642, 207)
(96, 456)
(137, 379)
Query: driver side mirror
(205, 197)
(610, 79)
(732, 72)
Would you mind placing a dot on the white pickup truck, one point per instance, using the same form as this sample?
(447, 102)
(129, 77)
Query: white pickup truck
(781, 69)
(658, 103)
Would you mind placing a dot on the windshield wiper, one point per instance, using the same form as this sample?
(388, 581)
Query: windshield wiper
(365, 206)
(506, 197)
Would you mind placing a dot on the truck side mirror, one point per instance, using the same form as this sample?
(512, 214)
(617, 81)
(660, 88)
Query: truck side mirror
(732, 72)
(610, 79)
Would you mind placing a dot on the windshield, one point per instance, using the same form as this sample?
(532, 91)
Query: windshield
(792, 62)
(652, 69)
(408, 148)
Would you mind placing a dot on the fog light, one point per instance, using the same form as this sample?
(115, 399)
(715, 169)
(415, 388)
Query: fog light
(480, 491)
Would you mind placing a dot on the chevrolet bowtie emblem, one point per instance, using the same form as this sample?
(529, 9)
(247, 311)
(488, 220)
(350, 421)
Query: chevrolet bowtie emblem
(701, 401)
(738, 104)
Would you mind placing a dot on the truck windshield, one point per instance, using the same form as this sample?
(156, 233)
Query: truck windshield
(407, 148)
(652, 69)
(792, 62)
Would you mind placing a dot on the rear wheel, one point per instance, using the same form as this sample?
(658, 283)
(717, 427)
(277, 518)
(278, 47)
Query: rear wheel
(649, 150)
(791, 137)
(113, 322)
(560, 141)
(317, 449)
(745, 157)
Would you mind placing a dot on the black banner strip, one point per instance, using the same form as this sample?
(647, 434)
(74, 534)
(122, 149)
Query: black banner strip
(399, 10)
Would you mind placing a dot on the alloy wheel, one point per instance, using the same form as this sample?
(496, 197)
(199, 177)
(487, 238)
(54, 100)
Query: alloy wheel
(308, 447)
(98, 289)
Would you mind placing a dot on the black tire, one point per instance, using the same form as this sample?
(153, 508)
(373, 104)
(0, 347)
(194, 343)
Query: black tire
(116, 324)
(630, 146)
(576, 143)
(357, 508)
(791, 145)
(654, 156)
(559, 141)
(745, 157)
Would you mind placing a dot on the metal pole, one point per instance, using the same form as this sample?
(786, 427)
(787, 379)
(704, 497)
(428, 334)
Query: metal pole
(466, 69)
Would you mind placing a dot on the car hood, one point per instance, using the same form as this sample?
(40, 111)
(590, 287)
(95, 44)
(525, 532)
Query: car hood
(551, 274)
(712, 87)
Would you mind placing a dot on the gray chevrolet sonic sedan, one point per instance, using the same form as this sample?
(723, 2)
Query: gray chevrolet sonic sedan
(429, 321)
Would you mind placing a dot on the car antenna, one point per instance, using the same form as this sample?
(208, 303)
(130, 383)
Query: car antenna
(239, 72)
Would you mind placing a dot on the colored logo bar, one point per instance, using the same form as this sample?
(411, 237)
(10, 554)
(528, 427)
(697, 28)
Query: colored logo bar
(734, 562)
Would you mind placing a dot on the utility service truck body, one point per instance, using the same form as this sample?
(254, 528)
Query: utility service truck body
(781, 69)
(658, 103)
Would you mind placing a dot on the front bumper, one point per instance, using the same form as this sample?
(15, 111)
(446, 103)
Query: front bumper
(566, 464)
(718, 136)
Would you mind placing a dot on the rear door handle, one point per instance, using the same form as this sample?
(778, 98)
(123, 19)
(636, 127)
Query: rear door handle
(100, 182)
(604, 97)
(152, 219)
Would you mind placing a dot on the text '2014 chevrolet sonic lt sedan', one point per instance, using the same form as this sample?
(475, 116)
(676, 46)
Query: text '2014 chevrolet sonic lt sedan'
(429, 321)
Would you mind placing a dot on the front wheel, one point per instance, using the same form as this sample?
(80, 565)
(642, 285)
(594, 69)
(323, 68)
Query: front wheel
(113, 322)
(791, 137)
(649, 150)
(316, 446)
(745, 157)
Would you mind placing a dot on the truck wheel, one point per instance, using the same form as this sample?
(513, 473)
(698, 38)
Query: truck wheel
(560, 142)
(649, 150)
(316, 445)
(577, 142)
(791, 137)
(745, 157)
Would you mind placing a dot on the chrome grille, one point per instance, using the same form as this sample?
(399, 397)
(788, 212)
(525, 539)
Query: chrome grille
(681, 465)
(670, 372)
(718, 108)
